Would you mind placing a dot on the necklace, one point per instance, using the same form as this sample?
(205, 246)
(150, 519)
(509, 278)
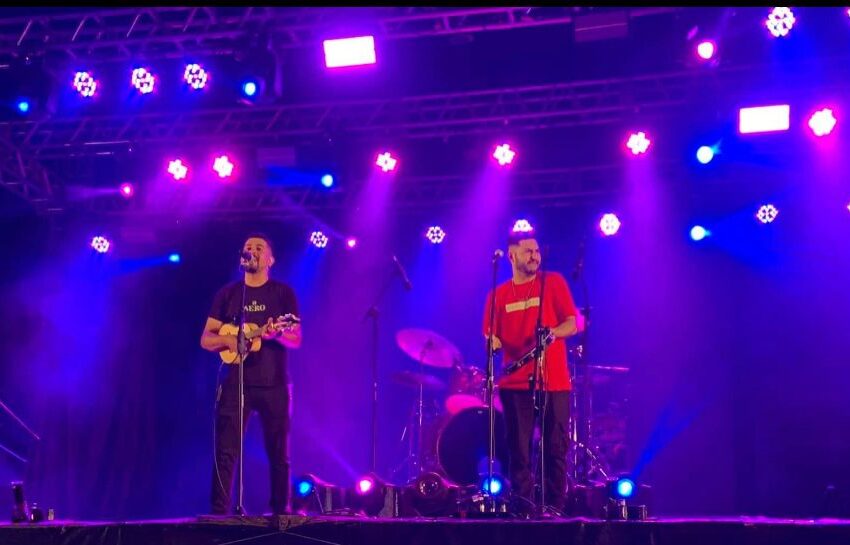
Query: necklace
(527, 294)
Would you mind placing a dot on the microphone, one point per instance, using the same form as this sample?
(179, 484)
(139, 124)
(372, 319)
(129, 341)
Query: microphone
(497, 255)
(407, 285)
(245, 258)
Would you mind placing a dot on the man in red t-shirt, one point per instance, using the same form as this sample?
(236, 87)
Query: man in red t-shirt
(517, 306)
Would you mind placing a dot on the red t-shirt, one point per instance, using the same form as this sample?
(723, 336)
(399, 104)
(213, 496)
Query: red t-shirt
(516, 317)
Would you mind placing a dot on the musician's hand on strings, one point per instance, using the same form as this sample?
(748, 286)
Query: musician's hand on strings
(497, 344)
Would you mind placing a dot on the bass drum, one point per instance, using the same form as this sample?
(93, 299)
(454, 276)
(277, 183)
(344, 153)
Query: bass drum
(462, 446)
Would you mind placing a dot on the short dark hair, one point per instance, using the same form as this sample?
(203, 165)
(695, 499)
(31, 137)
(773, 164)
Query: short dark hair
(263, 236)
(515, 237)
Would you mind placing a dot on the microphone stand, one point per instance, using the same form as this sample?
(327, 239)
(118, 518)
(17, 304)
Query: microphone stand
(490, 503)
(538, 396)
(585, 406)
(242, 352)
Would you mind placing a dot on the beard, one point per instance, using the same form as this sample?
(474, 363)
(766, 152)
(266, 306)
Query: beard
(530, 268)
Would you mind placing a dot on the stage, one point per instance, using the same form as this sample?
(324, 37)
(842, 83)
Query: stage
(443, 531)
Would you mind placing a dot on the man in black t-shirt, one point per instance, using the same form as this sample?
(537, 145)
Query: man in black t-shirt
(266, 391)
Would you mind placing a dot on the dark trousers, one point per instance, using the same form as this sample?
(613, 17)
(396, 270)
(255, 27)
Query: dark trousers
(519, 424)
(272, 405)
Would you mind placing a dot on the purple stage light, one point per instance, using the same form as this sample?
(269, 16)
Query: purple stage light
(609, 224)
(780, 21)
(127, 190)
(522, 226)
(435, 234)
(100, 244)
(822, 122)
(195, 76)
(351, 243)
(706, 49)
(85, 84)
(223, 166)
(764, 119)
(504, 154)
(143, 80)
(318, 239)
(638, 143)
(177, 169)
(355, 51)
(386, 161)
(767, 213)
(365, 485)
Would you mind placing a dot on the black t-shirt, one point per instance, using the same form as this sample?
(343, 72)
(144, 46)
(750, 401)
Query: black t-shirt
(266, 367)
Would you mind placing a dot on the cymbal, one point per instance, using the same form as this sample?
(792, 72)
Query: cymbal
(428, 348)
(409, 378)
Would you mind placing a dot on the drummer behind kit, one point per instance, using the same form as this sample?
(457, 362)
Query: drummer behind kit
(452, 440)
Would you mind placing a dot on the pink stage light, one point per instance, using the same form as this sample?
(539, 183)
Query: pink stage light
(100, 244)
(351, 243)
(822, 122)
(609, 224)
(223, 166)
(767, 213)
(780, 21)
(638, 143)
(127, 190)
(504, 154)
(195, 76)
(435, 234)
(85, 84)
(177, 169)
(706, 49)
(318, 239)
(522, 226)
(143, 80)
(355, 51)
(365, 485)
(386, 161)
(764, 119)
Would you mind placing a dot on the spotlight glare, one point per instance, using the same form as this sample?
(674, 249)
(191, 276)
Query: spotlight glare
(780, 21)
(386, 161)
(822, 122)
(143, 80)
(759, 119)
(355, 51)
(365, 485)
(504, 154)
(223, 166)
(318, 239)
(609, 224)
(174, 258)
(177, 169)
(625, 487)
(327, 180)
(767, 213)
(435, 234)
(494, 486)
(705, 154)
(638, 143)
(706, 49)
(522, 226)
(195, 76)
(249, 88)
(23, 106)
(304, 486)
(351, 243)
(100, 244)
(127, 190)
(698, 232)
(85, 84)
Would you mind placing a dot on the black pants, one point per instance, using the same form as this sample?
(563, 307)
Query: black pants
(519, 424)
(272, 404)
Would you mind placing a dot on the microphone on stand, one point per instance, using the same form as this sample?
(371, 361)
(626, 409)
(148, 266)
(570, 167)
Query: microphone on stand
(407, 285)
(245, 258)
(497, 255)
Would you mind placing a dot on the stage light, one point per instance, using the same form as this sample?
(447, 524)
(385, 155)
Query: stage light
(85, 84)
(609, 224)
(127, 190)
(435, 234)
(351, 243)
(706, 50)
(304, 486)
(822, 122)
(177, 169)
(365, 485)
(767, 213)
(143, 80)
(318, 239)
(638, 143)
(705, 154)
(386, 161)
(195, 76)
(249, 88)
(522, 226)
(698, 232)
(23, 106)
(504, 154)
(494, 486)
(100, 244)
(760, 119)
(780, 21)
(349, 51)
(311, 495)
(327, 180)
(623, 488)
(223, 166)
(174, 258)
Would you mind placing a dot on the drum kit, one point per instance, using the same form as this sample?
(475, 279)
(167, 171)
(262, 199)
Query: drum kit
(448, 433)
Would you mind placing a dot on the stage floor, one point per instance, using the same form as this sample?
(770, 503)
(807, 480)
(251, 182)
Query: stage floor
(443, 531)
